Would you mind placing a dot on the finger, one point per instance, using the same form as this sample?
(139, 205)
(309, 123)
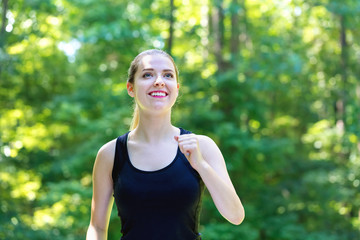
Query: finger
(183, 148)
(186, 153)
(186, 136)
(188, 140)
(188, 148)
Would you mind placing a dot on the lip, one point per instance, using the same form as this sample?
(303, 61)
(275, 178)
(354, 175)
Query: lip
(157, 91)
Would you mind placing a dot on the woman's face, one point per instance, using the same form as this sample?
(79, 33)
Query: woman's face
(155, 86)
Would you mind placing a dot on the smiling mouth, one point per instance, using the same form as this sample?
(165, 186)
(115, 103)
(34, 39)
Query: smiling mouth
(158, 94)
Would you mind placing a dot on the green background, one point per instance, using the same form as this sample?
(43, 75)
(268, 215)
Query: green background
(276, 83)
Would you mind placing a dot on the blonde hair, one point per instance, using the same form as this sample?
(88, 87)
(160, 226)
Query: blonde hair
(131, 77)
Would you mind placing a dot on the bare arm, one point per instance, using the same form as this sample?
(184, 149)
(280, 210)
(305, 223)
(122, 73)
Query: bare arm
(206, 158)
(102, 200)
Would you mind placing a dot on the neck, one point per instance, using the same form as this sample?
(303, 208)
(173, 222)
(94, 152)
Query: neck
(154, 128)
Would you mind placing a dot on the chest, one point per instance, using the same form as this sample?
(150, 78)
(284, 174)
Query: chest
(154, 157)
(176, 185)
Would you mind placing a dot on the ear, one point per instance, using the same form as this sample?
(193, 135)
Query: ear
(130, 89)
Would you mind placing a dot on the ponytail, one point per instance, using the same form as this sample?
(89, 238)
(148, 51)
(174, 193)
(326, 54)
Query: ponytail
(135, 118)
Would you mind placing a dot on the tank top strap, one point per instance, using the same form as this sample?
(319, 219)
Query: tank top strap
(120, 155)
(185, 161)
(183, 131)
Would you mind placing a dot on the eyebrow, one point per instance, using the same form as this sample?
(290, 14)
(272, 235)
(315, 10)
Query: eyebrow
(151, 69)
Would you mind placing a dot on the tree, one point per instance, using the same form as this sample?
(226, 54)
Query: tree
(268, 81)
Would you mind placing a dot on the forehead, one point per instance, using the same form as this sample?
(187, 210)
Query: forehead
(157, 62)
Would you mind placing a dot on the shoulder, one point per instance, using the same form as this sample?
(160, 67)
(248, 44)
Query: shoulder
(210, 150)
(106, 153)
(104, 161)
(203, 140)
(206, 141)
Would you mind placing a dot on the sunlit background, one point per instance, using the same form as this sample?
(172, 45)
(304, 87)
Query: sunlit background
(276, 83)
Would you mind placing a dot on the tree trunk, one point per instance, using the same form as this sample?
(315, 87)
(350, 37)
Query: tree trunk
(171, 27)
(235, 30)
(341, 102)
(218, 33)
(358, 100)
(3, 23)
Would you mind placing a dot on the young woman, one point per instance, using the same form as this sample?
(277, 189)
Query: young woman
(157, 172)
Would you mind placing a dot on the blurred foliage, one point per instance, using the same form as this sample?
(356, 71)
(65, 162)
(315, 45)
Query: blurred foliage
(283, 107)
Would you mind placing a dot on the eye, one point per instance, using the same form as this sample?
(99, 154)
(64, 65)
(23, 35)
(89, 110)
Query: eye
(169, 75)
(147, 75)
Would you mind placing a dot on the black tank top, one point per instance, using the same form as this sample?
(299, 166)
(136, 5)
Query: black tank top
(157, 205)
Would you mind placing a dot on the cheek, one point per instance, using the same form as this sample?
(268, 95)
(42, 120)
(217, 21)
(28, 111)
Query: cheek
(140, 86)
(176, 92)
(174, 87)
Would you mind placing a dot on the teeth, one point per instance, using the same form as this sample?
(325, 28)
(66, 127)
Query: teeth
(158, 94)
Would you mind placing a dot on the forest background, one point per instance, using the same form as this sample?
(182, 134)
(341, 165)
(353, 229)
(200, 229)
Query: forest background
(276, 83)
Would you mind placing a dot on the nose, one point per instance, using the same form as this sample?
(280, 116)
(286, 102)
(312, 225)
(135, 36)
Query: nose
(159, 82)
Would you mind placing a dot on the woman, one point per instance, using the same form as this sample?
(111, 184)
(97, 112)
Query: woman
(157, 171)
